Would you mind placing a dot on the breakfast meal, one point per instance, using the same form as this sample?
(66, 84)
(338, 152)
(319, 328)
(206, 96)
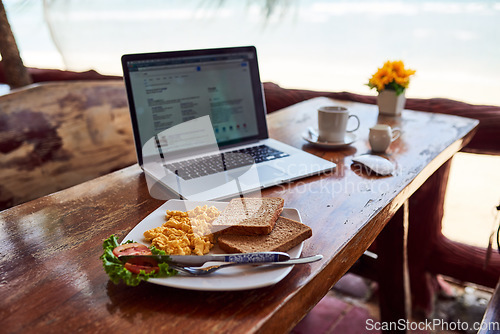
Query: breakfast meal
(185, 233)
(246, 225)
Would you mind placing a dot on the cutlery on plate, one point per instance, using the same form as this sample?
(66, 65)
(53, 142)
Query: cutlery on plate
(208, 270)
(198, 260)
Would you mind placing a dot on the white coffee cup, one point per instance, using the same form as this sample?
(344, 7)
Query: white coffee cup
(332, 123)
(381, 136)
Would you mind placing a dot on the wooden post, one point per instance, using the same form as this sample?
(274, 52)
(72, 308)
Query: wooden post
(393, 277)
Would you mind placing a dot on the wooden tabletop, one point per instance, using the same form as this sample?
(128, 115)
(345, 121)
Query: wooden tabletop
(52, 279)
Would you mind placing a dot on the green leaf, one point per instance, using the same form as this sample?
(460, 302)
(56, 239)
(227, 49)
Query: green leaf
(116, 270)
(395, 87)
(157, 251)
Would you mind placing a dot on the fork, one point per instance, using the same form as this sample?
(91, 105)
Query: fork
(202, 271)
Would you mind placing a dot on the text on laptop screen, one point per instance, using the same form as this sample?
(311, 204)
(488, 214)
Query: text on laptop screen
(168, 92)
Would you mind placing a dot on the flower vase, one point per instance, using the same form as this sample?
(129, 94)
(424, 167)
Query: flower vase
(389, 103)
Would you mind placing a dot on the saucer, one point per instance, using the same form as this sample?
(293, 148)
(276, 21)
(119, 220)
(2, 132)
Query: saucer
(311, 137)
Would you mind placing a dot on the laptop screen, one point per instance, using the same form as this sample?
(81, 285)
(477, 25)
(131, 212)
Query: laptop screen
(168, 89)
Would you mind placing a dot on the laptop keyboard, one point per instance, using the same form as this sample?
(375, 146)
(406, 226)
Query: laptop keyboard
(193, 168)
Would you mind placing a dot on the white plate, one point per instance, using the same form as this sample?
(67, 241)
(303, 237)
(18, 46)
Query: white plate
(230, 279)
(313, 139)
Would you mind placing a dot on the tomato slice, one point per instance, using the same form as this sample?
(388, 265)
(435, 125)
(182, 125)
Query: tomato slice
(131, 249)
(148, 265)
(136, 265)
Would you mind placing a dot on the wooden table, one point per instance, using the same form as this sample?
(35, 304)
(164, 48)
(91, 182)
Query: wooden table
(52, 279)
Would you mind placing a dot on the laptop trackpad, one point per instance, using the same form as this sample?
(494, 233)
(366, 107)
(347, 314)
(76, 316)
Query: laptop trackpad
(268, 174)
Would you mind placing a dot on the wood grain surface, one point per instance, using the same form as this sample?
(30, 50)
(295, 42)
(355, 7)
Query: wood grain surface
(56, 135)
(52, 279)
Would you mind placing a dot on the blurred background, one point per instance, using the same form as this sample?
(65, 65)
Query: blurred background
(315, 44)
(311, 44)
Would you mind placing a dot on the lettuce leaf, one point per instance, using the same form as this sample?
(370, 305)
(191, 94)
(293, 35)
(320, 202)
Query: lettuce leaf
(116, 270)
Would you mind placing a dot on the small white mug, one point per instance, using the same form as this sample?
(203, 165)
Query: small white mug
(381, 136)
(332, 123)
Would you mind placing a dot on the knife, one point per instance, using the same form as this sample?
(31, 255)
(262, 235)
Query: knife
(198, 260)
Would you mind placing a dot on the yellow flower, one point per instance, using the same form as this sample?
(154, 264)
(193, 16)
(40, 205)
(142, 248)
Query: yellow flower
(392, 75)
(399, 68)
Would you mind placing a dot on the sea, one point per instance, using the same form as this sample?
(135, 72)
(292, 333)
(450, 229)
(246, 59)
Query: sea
(454, 45)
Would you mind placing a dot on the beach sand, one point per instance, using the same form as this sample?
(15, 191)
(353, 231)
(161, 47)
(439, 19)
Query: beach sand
(473, 193)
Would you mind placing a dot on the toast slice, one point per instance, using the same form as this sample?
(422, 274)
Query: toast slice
(249, 216)
(287, 233)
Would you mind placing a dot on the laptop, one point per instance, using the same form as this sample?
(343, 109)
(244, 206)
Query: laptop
(199, 124)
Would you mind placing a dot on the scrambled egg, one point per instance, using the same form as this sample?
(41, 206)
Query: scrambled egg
(185, 233)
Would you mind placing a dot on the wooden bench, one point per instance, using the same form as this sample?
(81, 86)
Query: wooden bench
(56, 135)
(491, 319)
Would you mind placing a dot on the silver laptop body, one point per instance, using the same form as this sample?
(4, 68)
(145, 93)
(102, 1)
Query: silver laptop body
(199, 123)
